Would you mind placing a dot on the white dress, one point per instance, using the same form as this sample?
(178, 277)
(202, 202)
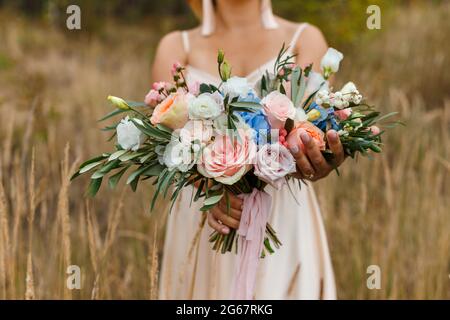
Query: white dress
(300, 269)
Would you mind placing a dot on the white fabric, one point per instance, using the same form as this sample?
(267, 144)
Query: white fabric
(300, 269)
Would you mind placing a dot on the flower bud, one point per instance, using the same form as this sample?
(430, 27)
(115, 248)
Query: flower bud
(225, 70)
(119, 103)
(220, 56)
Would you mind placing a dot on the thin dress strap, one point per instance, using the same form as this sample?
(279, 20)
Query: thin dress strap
(297, 34)
(185, 38)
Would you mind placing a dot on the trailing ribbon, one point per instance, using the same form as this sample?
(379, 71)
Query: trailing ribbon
(251, 232)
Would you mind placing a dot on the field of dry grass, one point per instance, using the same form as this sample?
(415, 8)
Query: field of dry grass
(392, 211)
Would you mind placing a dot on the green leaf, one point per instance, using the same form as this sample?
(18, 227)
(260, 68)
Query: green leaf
(301, 91)
(246, 104)
(117, 154)
(136, 174)
(105, 169)
(93, 187)
(135, 104)
(114, 179)
(154, 170)
(89, 166)
(295, 82)
(212, 200)
(127, 157)
(112, 114)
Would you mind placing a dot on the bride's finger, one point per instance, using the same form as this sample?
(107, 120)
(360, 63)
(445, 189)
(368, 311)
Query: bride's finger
(315, 156)
(235, 201)
(213, 223)
(304, 167)
(336, 147)
(232, 211)
(224, 218)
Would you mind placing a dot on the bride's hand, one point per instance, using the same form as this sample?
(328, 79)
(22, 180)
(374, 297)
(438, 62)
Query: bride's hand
(312, 165)
(221, 220)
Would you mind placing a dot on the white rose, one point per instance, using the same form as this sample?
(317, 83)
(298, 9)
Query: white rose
(330, 62)
(236, 87)
(205, 106)
(129, 137)
(178, 155)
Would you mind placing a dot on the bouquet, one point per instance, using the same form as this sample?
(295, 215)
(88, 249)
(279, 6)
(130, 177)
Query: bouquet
(233, 139)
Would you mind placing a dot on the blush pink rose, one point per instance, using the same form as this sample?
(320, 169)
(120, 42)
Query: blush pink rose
(172, 111)
(227, 159)
(343, 114)
(294, 139)
(152, 98)
(273, 163)
(278, 108)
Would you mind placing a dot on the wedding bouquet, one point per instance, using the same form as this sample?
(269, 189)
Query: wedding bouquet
(233, 139)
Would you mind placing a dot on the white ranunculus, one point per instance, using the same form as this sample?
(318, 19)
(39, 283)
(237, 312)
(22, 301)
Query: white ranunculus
(236, 87)
(196, 130)
(330, 62)
(205, 106)
(178, 155)
(129, 137)
(315, 82)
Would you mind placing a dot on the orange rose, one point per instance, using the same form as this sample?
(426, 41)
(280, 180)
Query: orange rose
(294, 140)
(172, 111)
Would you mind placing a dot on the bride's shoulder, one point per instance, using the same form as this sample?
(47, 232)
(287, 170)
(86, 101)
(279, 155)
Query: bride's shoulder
(310, 35)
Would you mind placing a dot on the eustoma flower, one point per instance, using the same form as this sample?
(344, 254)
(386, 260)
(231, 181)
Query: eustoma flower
(129, 137)
(273, 163)
(228, 158)
(278, 108)
(330, 62)
(172, 111)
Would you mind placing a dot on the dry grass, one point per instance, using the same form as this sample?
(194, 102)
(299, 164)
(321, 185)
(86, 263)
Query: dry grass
(391, 211)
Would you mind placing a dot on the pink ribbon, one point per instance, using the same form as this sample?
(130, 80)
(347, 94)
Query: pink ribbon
(251, 232)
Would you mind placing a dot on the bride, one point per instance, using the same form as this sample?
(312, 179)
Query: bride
(251, 37)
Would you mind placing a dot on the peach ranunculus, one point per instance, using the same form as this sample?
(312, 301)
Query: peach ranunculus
(278, 108)
(294, 139)
(227, 159)
(172, 111)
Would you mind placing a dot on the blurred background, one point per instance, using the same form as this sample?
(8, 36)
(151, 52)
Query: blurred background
(391, 211)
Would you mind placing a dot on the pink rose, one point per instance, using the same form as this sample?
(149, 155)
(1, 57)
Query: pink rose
(227, 159)
(172, 111)
(273, 163)
(152, 98)
(294, 138)
(343, 114)
(278, 108)
(375, 130)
